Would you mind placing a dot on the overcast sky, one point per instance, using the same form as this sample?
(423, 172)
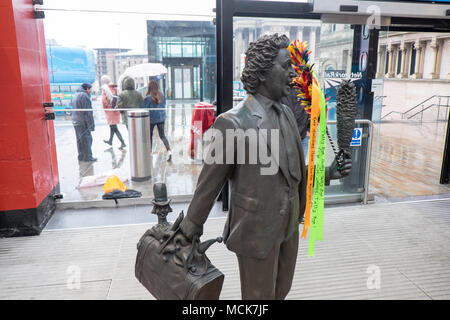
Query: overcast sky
(98, 30)
(111, 30)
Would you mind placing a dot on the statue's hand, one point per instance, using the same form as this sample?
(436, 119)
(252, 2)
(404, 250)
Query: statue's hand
(188, 228)
(338, 173)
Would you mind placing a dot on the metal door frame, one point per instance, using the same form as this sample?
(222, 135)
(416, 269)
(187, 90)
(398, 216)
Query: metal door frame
(228, 9)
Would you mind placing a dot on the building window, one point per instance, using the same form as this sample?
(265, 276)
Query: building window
(413, 61)
(399, 62)
(386, 64)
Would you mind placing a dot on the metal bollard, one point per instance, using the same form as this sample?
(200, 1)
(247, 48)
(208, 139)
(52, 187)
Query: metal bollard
(139, 135)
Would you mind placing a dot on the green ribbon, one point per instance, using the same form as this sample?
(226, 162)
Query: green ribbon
(316, 230)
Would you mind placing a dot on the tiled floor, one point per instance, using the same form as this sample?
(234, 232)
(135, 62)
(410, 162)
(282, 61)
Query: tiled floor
(403, 245)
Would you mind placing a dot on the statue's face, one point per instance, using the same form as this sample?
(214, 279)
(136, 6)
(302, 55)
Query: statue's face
(277, 80)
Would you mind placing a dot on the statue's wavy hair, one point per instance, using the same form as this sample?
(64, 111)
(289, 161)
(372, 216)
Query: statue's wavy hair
(259, 59)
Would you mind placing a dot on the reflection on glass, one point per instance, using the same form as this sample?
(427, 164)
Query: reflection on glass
(189, 44)
(186, 48)
(247, 30)
(331, 48)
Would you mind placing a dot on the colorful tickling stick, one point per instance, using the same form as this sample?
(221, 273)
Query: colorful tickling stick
(316, 229)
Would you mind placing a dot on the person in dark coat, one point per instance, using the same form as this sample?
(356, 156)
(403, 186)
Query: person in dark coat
(155, 100)
(129, 98)
(83, 122)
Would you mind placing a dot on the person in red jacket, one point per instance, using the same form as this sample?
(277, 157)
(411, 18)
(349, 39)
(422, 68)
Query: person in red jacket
(203, 114)
(109, 93)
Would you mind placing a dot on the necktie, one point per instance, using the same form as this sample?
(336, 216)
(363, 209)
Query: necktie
(289, 141)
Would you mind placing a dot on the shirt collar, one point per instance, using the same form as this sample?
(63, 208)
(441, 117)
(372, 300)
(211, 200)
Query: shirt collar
(265, 102)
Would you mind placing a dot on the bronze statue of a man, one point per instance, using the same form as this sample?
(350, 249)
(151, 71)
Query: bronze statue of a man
(265, 209)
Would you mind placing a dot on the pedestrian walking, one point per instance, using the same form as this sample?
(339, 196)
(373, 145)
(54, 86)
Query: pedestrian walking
(129, 99)
(83, 122)
(154, 99)
(109, 102)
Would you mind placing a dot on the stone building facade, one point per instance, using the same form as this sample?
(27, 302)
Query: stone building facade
(415, 67)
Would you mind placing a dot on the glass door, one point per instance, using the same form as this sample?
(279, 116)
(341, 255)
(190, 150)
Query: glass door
(187, 83)
(182, 82)
(178, 83)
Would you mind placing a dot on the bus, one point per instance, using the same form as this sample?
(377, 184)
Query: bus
(68, 68)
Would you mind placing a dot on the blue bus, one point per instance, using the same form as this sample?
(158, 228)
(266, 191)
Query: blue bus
(68, 68)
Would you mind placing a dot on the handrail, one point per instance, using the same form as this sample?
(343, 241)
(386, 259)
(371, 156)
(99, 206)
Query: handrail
(435, 96)
(368, 156)
(392, 112)
(418, 105)
(431, 105)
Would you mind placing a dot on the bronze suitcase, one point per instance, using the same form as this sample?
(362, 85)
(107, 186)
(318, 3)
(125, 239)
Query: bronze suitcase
(172, 268)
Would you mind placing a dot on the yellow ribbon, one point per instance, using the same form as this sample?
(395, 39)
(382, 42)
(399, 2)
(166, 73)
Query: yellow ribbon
(315, 112)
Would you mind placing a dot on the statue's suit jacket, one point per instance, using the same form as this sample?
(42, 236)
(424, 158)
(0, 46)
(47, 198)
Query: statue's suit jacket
(258, 203)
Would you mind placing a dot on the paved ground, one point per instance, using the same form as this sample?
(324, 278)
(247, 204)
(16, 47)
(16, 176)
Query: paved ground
(407, 243)
(407, 160)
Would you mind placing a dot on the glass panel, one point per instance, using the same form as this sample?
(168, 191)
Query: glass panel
(187, 83)
(331, 48)
(76, 54)
(168, 79)
(197, 92)
(178, 82)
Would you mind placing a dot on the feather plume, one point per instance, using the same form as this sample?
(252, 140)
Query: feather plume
(305, 78)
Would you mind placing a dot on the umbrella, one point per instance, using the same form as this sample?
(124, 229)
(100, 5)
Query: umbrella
(142, 70)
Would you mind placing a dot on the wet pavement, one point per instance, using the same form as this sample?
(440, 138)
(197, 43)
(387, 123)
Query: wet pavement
(407, 161)
(180, 174)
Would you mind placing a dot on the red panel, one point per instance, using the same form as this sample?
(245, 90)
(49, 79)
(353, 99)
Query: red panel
(30, 67)
(26, 155)
(17, 201)
(17, 187)
(25, 25)
(14, 143)
(39, 146)
(12, 105)
(10, 73)
(47, 98)
(8, 39)
(5, 4)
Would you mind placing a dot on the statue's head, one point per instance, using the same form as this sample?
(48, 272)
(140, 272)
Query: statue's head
(268, 67)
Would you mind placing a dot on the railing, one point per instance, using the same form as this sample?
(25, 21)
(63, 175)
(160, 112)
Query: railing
(425, 109)
(368, 155)
(406, 115)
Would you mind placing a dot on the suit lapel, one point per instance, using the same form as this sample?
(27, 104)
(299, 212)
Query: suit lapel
(263, 122)
(294, 129)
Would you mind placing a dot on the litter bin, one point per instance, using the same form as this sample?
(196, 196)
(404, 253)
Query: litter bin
(139, 145)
